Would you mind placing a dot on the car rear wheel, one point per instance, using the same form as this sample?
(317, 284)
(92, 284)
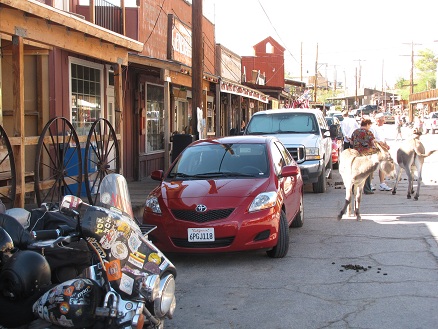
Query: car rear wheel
(299, 217)
(282, 247)
(336, 165)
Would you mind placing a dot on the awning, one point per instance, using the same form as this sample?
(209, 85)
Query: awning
(237, 89)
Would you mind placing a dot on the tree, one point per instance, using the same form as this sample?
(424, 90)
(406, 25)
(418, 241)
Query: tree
(426, 70)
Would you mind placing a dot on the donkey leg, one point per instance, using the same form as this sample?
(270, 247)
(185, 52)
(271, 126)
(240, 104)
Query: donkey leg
(357, 199)
(410, 175)
(346, 204)
(397, 179)
(419, 166)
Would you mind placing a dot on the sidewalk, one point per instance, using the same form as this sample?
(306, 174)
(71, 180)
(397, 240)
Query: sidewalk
(139, 191)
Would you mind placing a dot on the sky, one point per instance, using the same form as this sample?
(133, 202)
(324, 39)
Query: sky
(374, 38)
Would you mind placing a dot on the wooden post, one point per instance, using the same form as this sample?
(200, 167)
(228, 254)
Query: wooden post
(167, 117)
(18, 106)
(118, 104)
(197, 63)
(92, 12)
(1, 101)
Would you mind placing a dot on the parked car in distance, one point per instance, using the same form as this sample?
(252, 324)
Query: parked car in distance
(366, 110)
(389, 117)
(305, 134)
(337, 115)
(337, 139)
(227, 194)
(431, 122)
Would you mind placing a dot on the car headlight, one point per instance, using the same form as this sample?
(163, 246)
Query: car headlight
(152, 204)
(263, 201)
(312, 153)
(165, 304)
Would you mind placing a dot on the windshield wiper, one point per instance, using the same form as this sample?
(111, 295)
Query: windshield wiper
(238, 174)
(179, 174)
(259, 133)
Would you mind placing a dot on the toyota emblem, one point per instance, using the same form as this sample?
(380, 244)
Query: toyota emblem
(201, 208)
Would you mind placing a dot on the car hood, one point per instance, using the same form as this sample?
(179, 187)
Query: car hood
(225, 192)
(308, 140)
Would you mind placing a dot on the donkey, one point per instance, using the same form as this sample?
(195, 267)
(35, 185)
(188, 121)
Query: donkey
(411, 155)
(355, 168)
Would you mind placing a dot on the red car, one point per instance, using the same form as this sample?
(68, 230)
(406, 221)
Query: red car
(227, 194)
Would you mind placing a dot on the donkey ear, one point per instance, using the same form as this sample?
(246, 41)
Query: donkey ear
(380, 147)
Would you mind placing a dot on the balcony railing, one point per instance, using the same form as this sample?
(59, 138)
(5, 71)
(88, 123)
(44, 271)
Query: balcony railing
(424, 96)
(108, 16)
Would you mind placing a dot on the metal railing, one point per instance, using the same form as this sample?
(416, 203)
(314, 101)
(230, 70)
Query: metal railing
(108, 16)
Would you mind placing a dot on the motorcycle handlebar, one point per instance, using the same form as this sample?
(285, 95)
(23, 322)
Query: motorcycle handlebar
(62, 230)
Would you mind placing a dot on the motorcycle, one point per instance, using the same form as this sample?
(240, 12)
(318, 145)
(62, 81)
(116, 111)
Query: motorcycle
(127, 283)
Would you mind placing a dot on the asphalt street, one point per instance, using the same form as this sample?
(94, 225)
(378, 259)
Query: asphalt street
(378, 273)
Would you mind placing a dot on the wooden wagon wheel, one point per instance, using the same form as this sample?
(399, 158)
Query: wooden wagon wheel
(8, 182)
(58, 162)
(101, 157)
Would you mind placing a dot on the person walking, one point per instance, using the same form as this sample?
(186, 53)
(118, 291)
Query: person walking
(398, 126)
(362, 140)
(348, 125)
(379, 134)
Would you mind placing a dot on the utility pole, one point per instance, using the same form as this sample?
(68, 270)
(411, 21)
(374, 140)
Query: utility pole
(355, 99)
(301, 65)
(360, 71)
(411, 83)
(315, 84)
(197, 63)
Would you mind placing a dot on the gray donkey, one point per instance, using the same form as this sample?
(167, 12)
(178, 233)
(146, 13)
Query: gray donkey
(355, 168)
(411, 155)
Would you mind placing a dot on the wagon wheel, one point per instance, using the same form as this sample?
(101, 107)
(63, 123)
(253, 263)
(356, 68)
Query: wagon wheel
(58, 162)
(101, 157)
(8, 182)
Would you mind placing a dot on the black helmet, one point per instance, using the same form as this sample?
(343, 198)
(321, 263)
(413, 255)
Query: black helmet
(24, 273)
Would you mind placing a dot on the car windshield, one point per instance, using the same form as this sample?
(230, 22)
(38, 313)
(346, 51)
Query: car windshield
(221, 161)
(282, 123)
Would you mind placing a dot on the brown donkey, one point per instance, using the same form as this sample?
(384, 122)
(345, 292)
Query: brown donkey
(354, 169)
(411, 155)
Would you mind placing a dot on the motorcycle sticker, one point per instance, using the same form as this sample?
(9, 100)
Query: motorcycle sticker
(64, 308)
(108, 239)
(103, 225)
(119, 250)
(136, 259)
(152, 267)
(126, 284)
(113, 270)
(134, 242)
(154, 258)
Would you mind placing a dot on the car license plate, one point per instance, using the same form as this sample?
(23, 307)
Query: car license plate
(200, 234)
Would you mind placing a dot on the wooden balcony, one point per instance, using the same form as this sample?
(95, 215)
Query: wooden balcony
(424, 96)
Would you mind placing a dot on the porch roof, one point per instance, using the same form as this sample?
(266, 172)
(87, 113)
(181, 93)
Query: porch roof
(40, 23)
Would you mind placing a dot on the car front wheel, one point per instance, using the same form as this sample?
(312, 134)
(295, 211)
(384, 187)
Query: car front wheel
(298, 221)
(282, 247)
(320, 185)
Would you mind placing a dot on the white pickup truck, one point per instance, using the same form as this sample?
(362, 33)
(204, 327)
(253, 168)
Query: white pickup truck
(431, 122)
(305, 134)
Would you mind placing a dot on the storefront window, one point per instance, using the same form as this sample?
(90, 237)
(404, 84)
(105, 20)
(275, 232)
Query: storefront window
(86, 94)
(154, 118)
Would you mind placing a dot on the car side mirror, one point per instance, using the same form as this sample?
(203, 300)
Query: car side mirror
(291, 170)
(157, 175)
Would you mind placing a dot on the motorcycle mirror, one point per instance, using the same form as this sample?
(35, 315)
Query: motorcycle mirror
(6, 243)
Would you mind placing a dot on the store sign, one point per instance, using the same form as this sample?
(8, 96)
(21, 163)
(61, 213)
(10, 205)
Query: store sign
(181, 42)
